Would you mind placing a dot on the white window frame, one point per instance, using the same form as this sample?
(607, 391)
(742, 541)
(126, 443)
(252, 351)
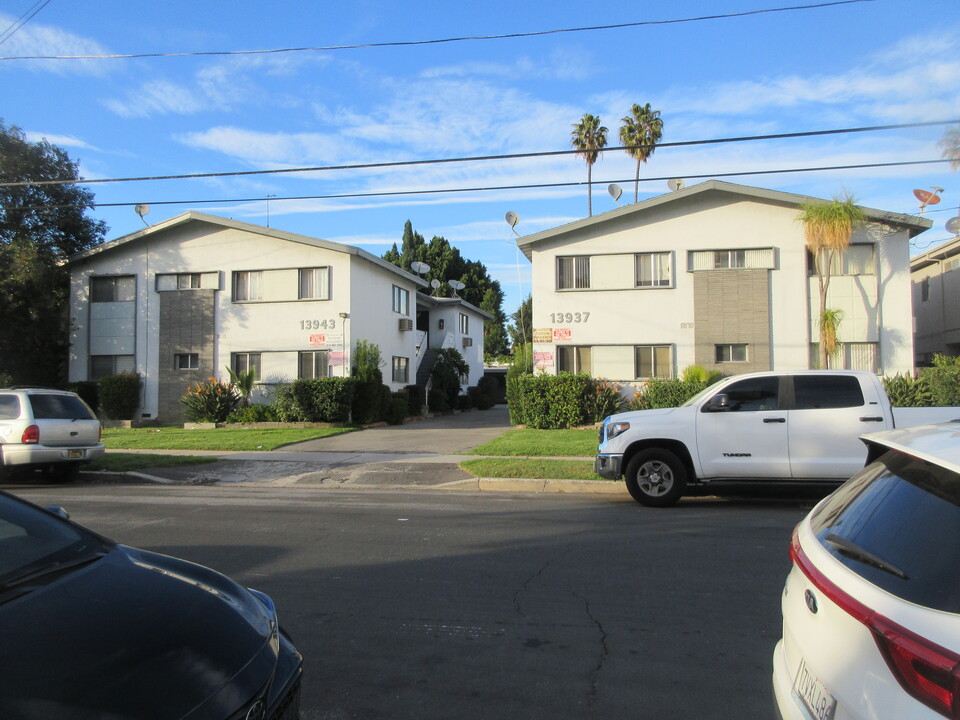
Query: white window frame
(667, 371)
(186, 361)
(244, 361)
(577, 354)
(401, 369)
(659, 269)
(313, 283)
(318, 359)
(573, 272)
(401, 300)
(188, 281)
(464, 324)
(730, 351)
(118, 364)
(247, 285)
(113, 288)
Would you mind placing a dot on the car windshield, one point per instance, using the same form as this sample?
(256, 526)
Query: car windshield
(700, 395)
(32, 539)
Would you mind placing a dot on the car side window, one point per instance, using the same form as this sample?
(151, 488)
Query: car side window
(9, 407)
(826, 392)
(762, 393)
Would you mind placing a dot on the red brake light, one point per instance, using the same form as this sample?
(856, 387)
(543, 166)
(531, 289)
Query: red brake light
(927, 671)
(31, 436)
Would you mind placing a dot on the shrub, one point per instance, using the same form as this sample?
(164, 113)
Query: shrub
(548, 401)
(489, 386)
(366, 362)
(416, 400)
(446, 373)
(698, 373)
(437, 401)
(119, 395)
(666, 393)
(6, 380)
(397, 412)
(254, 414)
(210, 401)
(943, 379)
(521, 366)
(602, 398)
(908, 391)
(88, 390)
(317, 400)
(371, 401)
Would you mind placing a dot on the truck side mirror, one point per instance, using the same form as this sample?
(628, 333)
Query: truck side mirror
(718, 403)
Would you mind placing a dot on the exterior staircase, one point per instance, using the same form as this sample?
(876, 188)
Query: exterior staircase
(427, 362)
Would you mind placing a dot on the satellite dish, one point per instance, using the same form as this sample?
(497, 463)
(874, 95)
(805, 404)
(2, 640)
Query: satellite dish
(676, 184)
(142, 210)
(434, 284)
(928, 198)
(615, 191)
(456, 285)
(419, 267)
(512, 219)
(953, 225)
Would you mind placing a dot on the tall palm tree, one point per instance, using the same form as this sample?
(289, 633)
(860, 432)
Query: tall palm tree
(950, 143)
(828, 228)
(640, 132)
(588, 138)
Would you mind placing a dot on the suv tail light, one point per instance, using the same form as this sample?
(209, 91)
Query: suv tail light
(927, 671)
(31, 436)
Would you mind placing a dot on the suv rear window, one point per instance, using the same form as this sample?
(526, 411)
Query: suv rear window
(9, 407)
(58, 407)
(904, 514)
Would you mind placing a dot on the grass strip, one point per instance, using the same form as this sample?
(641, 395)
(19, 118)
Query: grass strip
(546, 443)
(123, 462)
(177, 438)
(533, 468)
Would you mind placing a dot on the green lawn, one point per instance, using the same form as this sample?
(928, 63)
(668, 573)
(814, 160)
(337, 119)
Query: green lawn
(544, 443)
(124, 462)
(531, 468)
(177, 438)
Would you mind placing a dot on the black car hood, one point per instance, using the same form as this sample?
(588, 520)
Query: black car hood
(134, 635)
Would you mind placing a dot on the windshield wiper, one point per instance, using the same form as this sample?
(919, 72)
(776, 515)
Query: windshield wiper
(57, 566)
(855, 552)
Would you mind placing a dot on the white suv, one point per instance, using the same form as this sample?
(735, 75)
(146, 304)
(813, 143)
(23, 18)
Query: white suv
(47, 429)
(871, 608)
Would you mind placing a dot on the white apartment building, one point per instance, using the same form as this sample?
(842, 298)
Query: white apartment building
(936, 301)
(717, 275)
(180, 301)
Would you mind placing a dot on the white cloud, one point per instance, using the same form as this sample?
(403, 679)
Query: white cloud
(159, 97)
(36, 39)
(61, 140)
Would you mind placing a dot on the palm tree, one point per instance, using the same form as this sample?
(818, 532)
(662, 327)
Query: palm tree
(588, 138)
(640, 132)
(950, 143)
(828, 228)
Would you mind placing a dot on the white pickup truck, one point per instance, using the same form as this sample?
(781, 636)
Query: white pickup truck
(770, 426)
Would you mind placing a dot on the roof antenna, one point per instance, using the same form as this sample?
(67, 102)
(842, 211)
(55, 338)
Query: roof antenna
(927, 198)
(456, 285)
(615, 192)
(142, 210)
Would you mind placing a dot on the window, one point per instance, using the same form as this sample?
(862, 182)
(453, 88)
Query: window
(758, 393)
(731, 353)
(401, 300)
(188, 281)
(187, 361)
(573, 273)
(745, 259)
(244, 362)
(925, 289)
(653, 270)
(315, 283)
(9, 407)
(314, 364)
(574, 359)
(826, 391)
(247, 285)
(464, 324)
(852, 260)
(652, 361)
(112, 289)
(401, 370)
(104, 365)
(851, 356)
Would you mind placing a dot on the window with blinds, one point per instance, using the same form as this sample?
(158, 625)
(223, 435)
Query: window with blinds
(740, 259)
(315, 283)
(852, 260)
(653, 270)
(573, 273)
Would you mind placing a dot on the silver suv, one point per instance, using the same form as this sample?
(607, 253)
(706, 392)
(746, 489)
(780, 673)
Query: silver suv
(53, 430)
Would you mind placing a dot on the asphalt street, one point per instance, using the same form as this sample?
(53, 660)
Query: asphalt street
(473, 606)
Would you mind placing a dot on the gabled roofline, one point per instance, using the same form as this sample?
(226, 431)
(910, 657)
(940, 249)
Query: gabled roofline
(914, 225)
(425, 299)
(193, 216)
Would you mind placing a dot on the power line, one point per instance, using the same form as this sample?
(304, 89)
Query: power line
(474, 158)
(22, 20)
(490, 188)
(408, 43)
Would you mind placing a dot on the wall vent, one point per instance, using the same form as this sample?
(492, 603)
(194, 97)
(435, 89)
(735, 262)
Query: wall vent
(468, 342)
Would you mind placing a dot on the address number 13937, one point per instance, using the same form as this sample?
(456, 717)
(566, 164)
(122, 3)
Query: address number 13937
(570, 317)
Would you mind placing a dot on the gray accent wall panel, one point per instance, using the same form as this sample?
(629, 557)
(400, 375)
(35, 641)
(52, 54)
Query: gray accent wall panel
(733, 306)
(187, 325)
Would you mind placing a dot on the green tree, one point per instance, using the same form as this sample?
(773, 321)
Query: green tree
(828, 228)
(521, 324)
(40, 227)
(640, 132)
(588, 138)
(950, 144)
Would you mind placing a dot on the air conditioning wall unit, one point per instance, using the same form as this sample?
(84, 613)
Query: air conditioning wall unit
(468, 342)
(406, 324)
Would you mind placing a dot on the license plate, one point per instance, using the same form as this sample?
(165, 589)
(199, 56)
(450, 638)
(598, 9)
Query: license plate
(74, 453)
(819, 703)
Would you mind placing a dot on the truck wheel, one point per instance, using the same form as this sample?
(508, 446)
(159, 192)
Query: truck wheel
(656, 478)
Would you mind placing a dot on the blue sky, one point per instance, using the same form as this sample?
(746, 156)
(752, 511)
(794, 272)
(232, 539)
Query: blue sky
(862, 64)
